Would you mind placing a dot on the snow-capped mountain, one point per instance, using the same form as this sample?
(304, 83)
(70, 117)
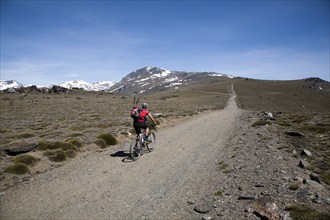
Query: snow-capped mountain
(80, 84)
(6, 84)
(155, 78)
(143, 80)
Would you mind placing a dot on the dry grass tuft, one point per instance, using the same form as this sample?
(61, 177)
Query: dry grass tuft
(261, 123)
(101, 143)
(18, 168)
(304, 212)
(56, 155)
(56, 145)
(75, 142)
(26, 159)
(294, 186)
(108, 138)
(70, 153)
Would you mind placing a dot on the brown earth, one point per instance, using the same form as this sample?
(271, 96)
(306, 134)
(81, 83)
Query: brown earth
(213, 166)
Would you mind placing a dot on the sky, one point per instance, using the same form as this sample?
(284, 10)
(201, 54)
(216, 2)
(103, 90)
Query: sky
(50, 42)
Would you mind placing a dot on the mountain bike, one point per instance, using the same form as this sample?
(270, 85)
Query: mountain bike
(140, 145)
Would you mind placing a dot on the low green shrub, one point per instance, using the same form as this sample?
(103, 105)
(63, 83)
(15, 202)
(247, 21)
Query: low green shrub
(325, 176)
(219, 193)
(74, 142)
(75, 135)
(18, 168)
(108, 138)
(261, 123)
(319, 128)
(101, 143)
(304, 212)
(56, 145)
(70, 153)
(25, 135)
(25, 159)
(56, 155)
(294, 186)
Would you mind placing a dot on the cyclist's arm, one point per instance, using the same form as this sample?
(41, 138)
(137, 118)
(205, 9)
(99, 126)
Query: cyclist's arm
(152, 118)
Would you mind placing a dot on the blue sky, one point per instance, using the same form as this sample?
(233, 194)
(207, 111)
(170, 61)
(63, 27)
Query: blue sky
(49, 42)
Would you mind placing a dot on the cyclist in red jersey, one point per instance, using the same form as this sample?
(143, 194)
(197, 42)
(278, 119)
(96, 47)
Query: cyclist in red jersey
(142, 121)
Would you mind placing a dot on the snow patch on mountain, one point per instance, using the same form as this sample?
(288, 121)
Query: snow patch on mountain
(80, 84)
(6, 84)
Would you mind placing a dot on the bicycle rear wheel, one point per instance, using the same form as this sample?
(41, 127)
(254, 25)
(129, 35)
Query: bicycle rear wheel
(135, 150)
(151, 145)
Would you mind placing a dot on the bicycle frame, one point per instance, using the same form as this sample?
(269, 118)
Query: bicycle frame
(139, 144)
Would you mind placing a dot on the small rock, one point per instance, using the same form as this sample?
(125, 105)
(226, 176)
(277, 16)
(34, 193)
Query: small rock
(207, 218)
(304, 164)
(248, 210)
(203, 208)
(294, 153)
(315, 177)
(286, 216)
(246, 198)
(265, 209)
(270, 116)
(327, 201)
(190, 202)
(316, 199)
(305, 152)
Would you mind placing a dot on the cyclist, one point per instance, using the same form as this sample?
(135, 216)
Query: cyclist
(142, 122)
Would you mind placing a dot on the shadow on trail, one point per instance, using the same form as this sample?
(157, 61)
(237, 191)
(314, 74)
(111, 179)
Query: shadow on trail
(121, 153)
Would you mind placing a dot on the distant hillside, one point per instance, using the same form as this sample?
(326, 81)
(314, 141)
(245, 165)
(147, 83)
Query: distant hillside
(305, 95)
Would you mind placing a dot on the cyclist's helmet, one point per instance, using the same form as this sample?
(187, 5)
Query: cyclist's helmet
(144, 105)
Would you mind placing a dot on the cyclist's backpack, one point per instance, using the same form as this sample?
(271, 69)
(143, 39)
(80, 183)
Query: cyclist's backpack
(135, 113)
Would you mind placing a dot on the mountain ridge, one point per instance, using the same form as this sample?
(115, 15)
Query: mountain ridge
(146, 80)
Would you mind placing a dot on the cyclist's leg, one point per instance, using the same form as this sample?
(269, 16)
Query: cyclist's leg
(146, 128)
(137, 128)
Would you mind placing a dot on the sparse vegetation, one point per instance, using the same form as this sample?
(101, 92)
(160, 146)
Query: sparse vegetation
(70, 153)
(56, 145)
(304, 212)
(219, 193)
(25, 135)
(25, 159)
(75, 142)
(224, 167)
(56, 155)
(108, 138)
(294, 186)
(17, 168)
(261, 123)
(101, 143)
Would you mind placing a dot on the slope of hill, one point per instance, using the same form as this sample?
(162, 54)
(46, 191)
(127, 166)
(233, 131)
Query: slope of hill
(305, 95)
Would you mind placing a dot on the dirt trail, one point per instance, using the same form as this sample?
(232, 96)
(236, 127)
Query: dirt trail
(161, 185)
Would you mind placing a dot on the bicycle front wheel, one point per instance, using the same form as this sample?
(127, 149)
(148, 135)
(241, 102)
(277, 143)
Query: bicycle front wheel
(151, 145)
(135, 150)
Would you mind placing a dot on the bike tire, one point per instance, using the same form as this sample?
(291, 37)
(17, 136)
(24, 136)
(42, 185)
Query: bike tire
(151, 145)
(135, 150)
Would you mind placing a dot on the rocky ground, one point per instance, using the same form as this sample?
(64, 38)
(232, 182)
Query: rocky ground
(261, 180)
(213, 166)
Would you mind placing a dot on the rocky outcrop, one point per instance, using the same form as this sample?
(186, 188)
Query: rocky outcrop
(19, 148)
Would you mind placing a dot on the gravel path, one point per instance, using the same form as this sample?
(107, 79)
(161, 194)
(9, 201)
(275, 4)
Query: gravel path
(164, 184)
